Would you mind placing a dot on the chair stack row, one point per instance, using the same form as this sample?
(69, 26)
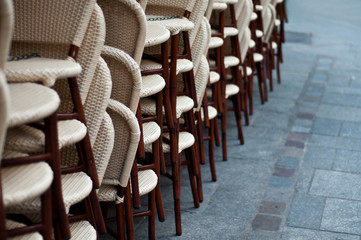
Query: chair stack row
(100, 99)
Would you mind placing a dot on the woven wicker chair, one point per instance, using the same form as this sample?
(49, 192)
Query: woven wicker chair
(229, 90)
(22, 180)
(72, 131)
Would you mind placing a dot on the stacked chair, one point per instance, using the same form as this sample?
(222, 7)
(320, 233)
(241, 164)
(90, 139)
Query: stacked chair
(101, 99)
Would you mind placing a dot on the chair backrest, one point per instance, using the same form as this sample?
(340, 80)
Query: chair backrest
(170, 7)
(126, 77)
(209, 10)
(143, 3)
(126, 140)
(126, 26)
(196, 17)
(201, 67)
(4, 109)
(268, 22)
(57, 22)
(6, 27)
(103, 146)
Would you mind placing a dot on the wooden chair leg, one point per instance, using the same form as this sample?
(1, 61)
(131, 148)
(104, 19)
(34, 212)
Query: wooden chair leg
(129, 213)
(151, 217)
(158, 195)
(192, 178)
(120, 221)
(212, 165)
(260, 81)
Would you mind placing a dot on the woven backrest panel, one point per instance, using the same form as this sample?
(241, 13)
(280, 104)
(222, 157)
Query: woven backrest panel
(126, 140)
(201, 66)
(209, 10)
(196, 17)
(4, 109)
(244, 43)
(244, 18)
(126, 26)
(103, 146)
(6, 26)
(126, 78)
(169, 7)
(143, 3)
(268, 22)
(44, 21)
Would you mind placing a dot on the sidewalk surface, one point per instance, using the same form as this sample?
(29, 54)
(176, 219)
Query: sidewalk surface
(298, 176)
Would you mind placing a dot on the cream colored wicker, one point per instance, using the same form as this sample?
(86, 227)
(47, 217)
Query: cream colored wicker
(31, 102)
(126, 26)
(156, 34)
(259, 33)
(151, 85)
(10, 224)
(127, 135)
(212, 113)
(213, 77)
(25, 182)
(52, 31)
(103, 145)
(82, 230)
(215, 42)
(257, 57)
(126, 77)
(217, 6)
(231, 89)
(151, 132)
(209, 10)
(184, 104)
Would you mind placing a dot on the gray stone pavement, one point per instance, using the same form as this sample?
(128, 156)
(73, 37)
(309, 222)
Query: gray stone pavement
(298, 176)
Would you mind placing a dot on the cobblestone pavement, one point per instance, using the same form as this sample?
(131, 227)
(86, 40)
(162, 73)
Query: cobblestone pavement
(298, 176)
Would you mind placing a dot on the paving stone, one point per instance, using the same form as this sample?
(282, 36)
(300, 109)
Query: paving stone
(325, 126)
(279, 182)
(342, 99)
(293, 153)
(319, 77)
(301, 137)
(268, 119)
(272, 207)
(288, 162)
(265, 222)
(296, 144)
(351, 129)
(319, 157)
(278, 194)
(306, 211)
(304, 180)
(290, 233)
(342, 216)
(301, 129)
(283, 172)
(344, 113)
(303, 122)
(336, 184)
(262, 235)
(305, 115)
(348, 161)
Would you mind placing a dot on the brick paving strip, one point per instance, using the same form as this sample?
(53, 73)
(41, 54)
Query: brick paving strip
(271, 215)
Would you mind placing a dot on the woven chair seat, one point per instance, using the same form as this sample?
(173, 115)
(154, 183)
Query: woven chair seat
(38, 69)
(215, 42)
(230, 61)
(259, 7)
(155, 35)
(185, 141)
(28, 139)
(31, 102)
(183, 65)
(75, 187)
(12, 154)
(147, 180)
(231, 89)
(82, 230)
(259, 33)
(248, 69)
(217, 6)
(212, 113)
(257, 57)
(279, 1)
(184, 104)
(228, 31)
(227, 1)
(151, 132)
(213, 77)
(151, 85)
(277, 22)
(252, 43)
(274, 45)
(254, 16)
(10, 224)
(24, 182)
(174, 25)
